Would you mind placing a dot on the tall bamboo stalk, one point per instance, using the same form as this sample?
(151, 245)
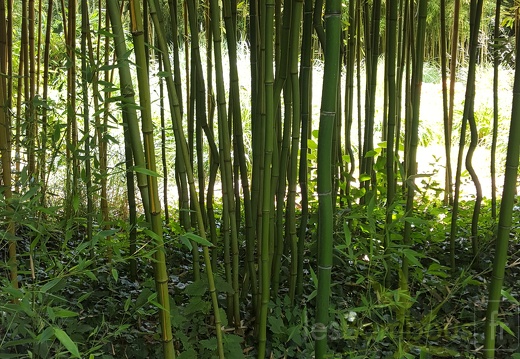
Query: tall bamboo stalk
(5, 156)
(306, 104)
(292, 236)
(496, 62)
(505, 218)
(447, 125)
(238, 136)
(390, 70)
(160, 271)
(225, 152)
(31, 111)
(72, 122)
(468, 117)
(414, 131)
(267, 190)
(85, 32)
(45, 93)
(325, 181)
(181, 140)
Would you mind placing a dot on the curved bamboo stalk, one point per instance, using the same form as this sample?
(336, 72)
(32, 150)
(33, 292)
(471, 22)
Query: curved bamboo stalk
(474, 138)
(468, 116)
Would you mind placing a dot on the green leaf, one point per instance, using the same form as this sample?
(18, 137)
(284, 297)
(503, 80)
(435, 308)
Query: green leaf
(128, 301)
(276, 325)
(438, 270)
(509, 297)
(75, 202)
(198, 239)
(197, 288)
(50, 285)
(412, 256)
(115, 274)
(67, 342)
(145, 171)
(64, 313)
(45, 335)
(164, 74)
(506, 328)
(50, 313)
(186, 242)
(371, 153)
(364, 177)
(223, 286)
(188, 354)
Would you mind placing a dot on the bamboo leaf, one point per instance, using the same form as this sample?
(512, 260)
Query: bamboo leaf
(64, 313)
(412, 256)
(50, 285)
(186, 242)
(163, 74)
(506, 328)
(509, 297)
(145, 171)
(115, 274)
(198, 239)
(67, 342)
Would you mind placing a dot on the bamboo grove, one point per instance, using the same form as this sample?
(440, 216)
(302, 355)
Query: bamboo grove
(149, 95)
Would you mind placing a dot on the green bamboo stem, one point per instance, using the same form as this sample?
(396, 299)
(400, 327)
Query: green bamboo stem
(128, 100)
(505, 219)
(496, 62)
(45, 93)
(467, 116)
(372, 55)
(445, 110)
(161, 274)
(470, 97)
(267, 191)
(85, 32)
(325, 181)
(292, 237)
(179, 135)
(390, 71)
(5, 155)
(225, 150)
(414, 132)
(72, 123)
(32, 126)
(306, 103)
(238, 137)
(349, 95)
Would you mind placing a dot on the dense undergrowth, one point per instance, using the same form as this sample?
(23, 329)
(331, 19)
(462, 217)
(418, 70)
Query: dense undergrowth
(76, 298)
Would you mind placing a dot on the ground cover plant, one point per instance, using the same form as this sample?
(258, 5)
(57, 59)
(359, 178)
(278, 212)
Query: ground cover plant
(280, 179)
